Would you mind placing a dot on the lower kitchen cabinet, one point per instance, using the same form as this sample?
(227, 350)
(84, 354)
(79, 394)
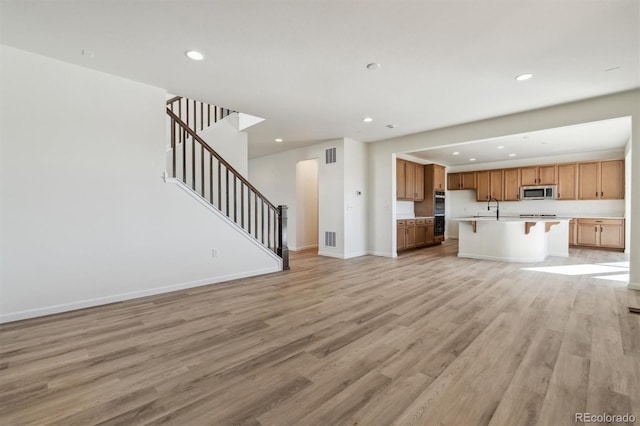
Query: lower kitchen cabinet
(573, 233)
(401, 235)
(421, 232)
(413, 233)
(594, 232)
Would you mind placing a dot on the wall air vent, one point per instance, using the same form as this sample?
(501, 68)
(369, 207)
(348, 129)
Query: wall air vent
(330, 238)
(330, 155)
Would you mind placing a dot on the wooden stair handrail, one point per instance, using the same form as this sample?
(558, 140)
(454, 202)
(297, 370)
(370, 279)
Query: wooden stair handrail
(195, 136)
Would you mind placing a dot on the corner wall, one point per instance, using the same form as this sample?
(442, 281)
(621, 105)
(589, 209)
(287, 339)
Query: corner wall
(275, 176)
(85, 217)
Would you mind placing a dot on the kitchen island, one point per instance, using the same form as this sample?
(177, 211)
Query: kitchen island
(513, 239)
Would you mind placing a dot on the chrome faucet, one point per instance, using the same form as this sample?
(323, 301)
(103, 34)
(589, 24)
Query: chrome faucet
(497, 206)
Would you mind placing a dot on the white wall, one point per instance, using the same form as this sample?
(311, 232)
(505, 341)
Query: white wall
(85, 216)
(275, 176)
(382, 158)
(307, 204)
(355, 198)
(232, 144)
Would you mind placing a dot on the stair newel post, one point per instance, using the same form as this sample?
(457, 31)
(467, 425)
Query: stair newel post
(283, 249)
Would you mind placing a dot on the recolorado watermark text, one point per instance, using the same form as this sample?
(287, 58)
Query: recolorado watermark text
(604, 418)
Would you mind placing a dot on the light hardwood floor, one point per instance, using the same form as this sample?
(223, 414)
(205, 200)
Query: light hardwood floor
(424, 339)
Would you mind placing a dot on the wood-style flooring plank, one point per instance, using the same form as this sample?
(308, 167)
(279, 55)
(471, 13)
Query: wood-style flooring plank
(423, 339)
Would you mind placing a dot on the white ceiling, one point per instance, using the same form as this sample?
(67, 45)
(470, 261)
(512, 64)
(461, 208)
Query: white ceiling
(300, 64)
(605, 135)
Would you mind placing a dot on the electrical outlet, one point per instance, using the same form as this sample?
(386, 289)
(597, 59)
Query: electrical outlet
(214, 253)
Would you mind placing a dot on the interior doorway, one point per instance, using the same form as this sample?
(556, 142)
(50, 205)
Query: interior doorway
(307, 205)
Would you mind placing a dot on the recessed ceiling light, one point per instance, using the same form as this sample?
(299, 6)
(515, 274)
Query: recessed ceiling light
(391, 126)
(194, 54)
(278, 140)
(512, 155)
(367, 119)
(500, 147)
(523, 77)
(373, 66)
(472, 159)
(456, 153)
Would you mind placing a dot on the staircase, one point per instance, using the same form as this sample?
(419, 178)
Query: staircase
(206, 173)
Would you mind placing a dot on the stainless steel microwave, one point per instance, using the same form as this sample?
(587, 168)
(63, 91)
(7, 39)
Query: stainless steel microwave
(542, 192)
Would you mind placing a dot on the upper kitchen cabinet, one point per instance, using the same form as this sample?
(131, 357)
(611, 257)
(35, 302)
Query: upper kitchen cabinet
(538, 175)
(489, 184)
(438, 177)
(433, 181)
(433, 178)
(601, 180)
(409, 181)
(401, 167)
(511, 184)
(567, 181)
(463, 180)
(612, 180)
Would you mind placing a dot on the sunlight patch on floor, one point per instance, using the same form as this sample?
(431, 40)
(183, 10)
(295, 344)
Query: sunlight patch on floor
(584, 269)
(623, 277)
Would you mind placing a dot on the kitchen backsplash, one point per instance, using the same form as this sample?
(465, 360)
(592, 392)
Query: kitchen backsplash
(404, 210)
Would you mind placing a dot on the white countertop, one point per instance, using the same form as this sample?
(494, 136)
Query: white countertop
(511, 219)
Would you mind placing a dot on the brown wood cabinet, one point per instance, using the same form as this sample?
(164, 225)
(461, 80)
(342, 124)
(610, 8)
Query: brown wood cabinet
(401, 235)
(409, 181)
(573, 233)
(567, 181)
(401, 167)
(419, 183)
(433, 173)
(594, 232)
(538, 175)
(482, 185)
(594, 180)
(414, 233)
(429, 226)
(438, 177)
(601, 180)
(421, 232)
(489, 183)
(411, 233)
(462, 180)
(512, 184)
(612, 180)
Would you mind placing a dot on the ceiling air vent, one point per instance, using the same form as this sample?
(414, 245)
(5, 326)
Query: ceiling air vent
(330, 238)
(330, 155)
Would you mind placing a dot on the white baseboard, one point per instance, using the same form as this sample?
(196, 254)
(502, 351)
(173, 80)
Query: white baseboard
(88, 303)
(502, 259)
(314, 246)
(382, 254)
(355, 254)
(634, 286)
(328, 254)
